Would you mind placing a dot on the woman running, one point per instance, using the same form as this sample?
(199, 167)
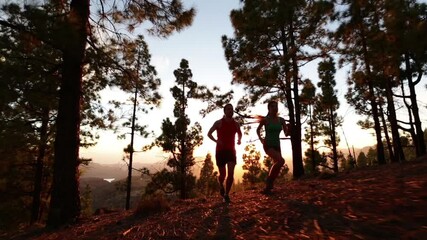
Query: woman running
(273, 125)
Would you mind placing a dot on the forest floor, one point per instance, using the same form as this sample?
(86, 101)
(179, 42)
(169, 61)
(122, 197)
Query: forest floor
(381, 202)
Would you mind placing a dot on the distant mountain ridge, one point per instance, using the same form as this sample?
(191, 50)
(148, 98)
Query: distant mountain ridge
(120, 170)
(109, 171)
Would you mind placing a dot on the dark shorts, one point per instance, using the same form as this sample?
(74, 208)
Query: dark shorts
(225, 156)
(266, 148)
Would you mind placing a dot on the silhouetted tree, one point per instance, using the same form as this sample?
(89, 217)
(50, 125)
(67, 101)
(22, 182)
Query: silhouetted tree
(355, 35)
(406, 24)
(177, 138)
(362, 160)
(138, 78)
(206, 183)
(372, 157)
(252, 166)
(28, 81)
(86, 200)
(308, 98)
(313, 158)
(326, 107)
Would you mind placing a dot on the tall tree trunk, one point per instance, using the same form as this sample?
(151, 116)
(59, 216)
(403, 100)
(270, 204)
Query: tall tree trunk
(183, 175)
(411, 128)
(65, 201)
(373, 102)
(312, 141)
(419, 137)
(397, 145)
(292, 121)
(333, 140)
(184, 154)
(298, 167)
(296, 139)
(183, 167)
(386, 135)
(131, 151)
(377, 125)
(35, 208)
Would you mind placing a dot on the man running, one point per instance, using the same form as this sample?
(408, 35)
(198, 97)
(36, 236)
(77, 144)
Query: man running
(226, 129)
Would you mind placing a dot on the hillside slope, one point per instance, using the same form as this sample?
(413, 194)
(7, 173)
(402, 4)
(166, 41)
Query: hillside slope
(384, 202)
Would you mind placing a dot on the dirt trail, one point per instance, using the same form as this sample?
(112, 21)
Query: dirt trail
(384, 202)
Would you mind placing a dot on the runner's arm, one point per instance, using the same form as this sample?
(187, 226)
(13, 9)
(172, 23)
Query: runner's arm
(211, 130)
(258, 130)
(239, 134)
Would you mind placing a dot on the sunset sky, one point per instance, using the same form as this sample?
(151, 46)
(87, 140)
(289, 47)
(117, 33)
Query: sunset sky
(201, 46)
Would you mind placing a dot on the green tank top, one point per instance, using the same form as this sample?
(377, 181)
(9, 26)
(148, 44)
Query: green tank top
(272, 132)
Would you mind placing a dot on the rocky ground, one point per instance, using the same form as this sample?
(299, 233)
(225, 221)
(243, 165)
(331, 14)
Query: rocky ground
(383, 202)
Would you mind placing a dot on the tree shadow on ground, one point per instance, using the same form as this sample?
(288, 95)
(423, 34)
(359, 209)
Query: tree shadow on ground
(328, 222)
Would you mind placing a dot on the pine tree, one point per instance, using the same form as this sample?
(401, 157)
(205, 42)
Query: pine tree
(326, 107)
(355, 34)
(372, 157)
(313, 158)
(139, 79)
(178, 138)
(251, 164)
(86, 200)
(207, 180)
(406, 24)
(28, 79)
(308, 98)
(362, 160)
